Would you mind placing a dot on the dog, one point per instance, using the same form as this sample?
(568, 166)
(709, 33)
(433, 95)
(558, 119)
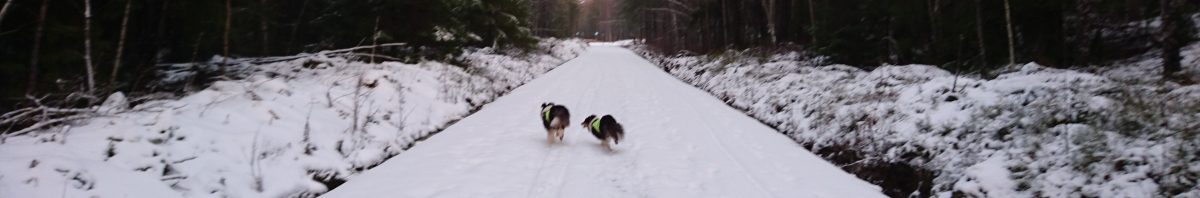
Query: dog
(604, 128)
(555, 118)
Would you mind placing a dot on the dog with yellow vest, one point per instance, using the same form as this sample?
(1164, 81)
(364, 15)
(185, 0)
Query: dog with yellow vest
(555, 118)
(604, 128)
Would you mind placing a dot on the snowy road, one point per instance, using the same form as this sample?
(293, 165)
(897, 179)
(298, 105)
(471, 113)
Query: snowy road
(679, 142)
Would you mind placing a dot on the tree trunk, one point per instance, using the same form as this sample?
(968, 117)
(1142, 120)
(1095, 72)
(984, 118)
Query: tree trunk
(375, 39)
(262, 28)
(932, 46)
(1081, 32)
(979, 32)
(296, 27)
(747, 26)
(1168, 40)
(87, 45)
(37, 45)
(121, 42)
(812, 21)
(228, 26)
(724, 23)
(158, 31)
(675, 43)
(196, 47)
(647, 26)
(4, 10)
(1012, 54)
(769, 8)
(538, 16)
(158, 45)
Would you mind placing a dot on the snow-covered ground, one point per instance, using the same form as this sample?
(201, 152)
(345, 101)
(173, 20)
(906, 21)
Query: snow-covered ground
(1032, 132)
(288, 129)
(679, 142)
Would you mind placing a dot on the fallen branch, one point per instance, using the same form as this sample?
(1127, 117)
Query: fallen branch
(18, 115)
(46, 123)
(346, 51)
(41, 116)
(374, 56)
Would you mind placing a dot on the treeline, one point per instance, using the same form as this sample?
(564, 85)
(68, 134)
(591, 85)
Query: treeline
(58, 47)
(955, 34)
(555, 18)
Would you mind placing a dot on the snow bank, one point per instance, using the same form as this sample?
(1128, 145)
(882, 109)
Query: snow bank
(1036, 131)
(627, 42)
(288, 129)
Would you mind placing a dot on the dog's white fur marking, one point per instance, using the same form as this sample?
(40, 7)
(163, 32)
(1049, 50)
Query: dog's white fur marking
(555, 133)
(556, 122)
(559, 134)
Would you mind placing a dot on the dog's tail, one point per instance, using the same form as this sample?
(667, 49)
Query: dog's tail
(618, 133)
(558, 123)
(559, 117)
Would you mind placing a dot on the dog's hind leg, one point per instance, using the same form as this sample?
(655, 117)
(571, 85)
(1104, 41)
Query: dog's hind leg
(560, 133)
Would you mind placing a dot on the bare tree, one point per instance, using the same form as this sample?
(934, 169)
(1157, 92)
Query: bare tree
(159, 29)
(196, 46)
(1082, 30)
(375, 39)
(87, 44)
(358, 100)
(262, 27)
(4, 10)
(769, 8)
(934, 7)
(1012, 52)
(979, 32)
(37, 45)
(296, 26)
(121, 42)
(228, 26)
(1168, 38)
(812, 20)
(724, 21)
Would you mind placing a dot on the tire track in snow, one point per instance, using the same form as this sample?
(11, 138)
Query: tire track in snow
(725, 148)
(630, 162)
(565, 172)
(555, 158)
(535, 184)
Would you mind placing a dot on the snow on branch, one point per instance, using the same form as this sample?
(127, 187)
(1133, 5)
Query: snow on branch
(41, 116)
(338, 52)
(347, 51)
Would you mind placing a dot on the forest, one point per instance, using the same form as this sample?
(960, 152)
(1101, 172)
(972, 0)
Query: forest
(966, 35)
(74, 51)
(52, 48)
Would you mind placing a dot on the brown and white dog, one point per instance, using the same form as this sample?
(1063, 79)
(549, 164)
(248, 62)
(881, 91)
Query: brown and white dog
(604, 128)
(555, 118)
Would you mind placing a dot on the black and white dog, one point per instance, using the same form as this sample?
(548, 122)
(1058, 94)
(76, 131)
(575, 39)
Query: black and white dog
(555, 118)
(604, 128)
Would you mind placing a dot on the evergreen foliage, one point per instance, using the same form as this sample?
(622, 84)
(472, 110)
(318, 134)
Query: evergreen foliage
(167, 31)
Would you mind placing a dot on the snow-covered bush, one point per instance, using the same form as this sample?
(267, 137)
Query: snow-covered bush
(287, 129)
(1032, 132)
